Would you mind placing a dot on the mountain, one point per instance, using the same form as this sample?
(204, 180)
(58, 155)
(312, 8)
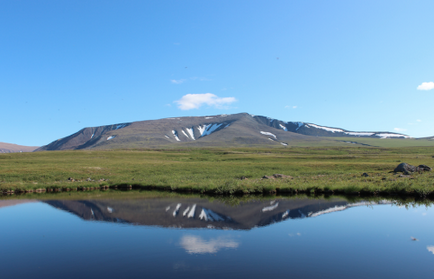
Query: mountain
(219, 130)
(12, 148)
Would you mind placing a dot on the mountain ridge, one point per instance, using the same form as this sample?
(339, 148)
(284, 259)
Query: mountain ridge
(204, 131)
(13, 148)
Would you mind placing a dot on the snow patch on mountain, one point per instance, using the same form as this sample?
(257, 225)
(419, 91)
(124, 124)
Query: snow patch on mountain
(208, 129)
(185, 134)
(268, 134)
(333, 130)
(175, 134)
(283, 127)
(120, 126)
(190, 132)
(388, 135)
(111, 137)
(299, 124)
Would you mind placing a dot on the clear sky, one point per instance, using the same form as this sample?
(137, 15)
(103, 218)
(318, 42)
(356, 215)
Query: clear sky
(357, 65)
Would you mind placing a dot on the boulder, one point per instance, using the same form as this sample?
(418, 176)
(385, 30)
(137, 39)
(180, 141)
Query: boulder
(278, 175)
(423, 168)
(407, 169)
(365, 174)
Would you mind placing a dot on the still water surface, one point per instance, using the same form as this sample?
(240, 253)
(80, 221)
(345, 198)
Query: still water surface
(196, 238)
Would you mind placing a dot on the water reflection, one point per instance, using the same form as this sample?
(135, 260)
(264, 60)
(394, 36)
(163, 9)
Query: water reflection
(201, 213)
(224, 238)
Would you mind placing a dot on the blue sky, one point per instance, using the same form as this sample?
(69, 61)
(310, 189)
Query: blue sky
(357, 65)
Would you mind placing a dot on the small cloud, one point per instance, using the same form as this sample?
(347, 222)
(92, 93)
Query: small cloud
(200, 78)
(430, 248)
(288, 107)
(177, 81)
(399, 129)
(195, 101)
(419, 120)
(168, 105)
(299, 234)
(426, 86)
(196, 245)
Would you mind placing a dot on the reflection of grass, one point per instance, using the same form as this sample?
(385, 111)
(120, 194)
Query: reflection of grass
(407, 201)
(218, 171)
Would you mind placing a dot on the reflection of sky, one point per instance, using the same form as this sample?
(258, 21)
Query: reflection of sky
(197, 245)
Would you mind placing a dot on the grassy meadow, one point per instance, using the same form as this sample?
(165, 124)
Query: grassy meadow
(219, 171)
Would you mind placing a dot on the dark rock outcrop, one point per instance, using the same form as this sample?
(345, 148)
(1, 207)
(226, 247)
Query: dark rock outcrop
(407, 168)
(277, 175)
(424, 168)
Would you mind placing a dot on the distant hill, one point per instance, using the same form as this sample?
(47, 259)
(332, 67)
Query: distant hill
(12, 148)
(218, 130)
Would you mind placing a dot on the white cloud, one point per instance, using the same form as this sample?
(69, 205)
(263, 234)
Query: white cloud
(196, 245)
(200, 78)
(419, 120)
(195, 101)
(399, 129)
(426, 86)
(294, 107)
(430, 248)
(177, 81)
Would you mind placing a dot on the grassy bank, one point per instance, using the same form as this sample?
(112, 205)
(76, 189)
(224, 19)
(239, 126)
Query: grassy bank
(219, 171)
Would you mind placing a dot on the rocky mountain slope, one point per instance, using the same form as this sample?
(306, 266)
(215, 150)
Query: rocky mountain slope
(219, 130)
(12, 148)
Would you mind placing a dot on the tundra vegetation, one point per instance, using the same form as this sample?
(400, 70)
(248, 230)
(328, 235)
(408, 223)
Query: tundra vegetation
(224, 171)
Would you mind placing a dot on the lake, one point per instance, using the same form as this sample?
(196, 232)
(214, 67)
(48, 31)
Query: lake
(192, 237)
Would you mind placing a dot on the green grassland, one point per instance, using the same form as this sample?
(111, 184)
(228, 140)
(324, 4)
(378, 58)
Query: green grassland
(219, 170)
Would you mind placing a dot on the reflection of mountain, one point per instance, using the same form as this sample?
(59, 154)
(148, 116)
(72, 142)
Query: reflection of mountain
(200, 213)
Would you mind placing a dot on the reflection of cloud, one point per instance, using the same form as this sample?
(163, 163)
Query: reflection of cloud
(196, 245)
(430, 248)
